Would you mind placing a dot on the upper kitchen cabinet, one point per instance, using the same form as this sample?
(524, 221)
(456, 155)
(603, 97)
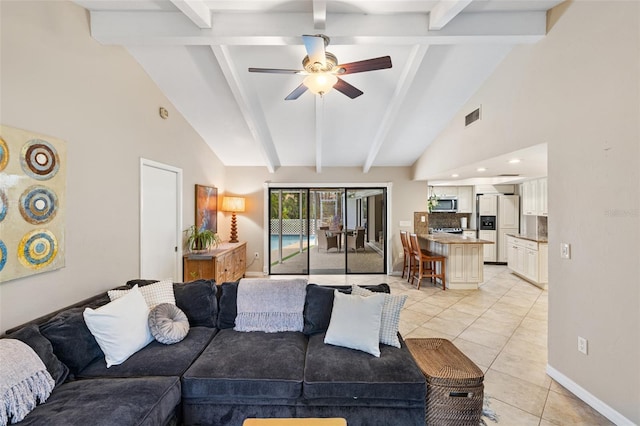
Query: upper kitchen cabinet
(488, 205)
(445, 191)
(534, 197)
(465, 199)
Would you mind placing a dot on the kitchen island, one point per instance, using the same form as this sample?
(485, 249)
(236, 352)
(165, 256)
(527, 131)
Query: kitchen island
(464, 258)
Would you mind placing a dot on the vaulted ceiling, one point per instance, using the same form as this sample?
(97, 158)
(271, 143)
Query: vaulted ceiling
(198, 52)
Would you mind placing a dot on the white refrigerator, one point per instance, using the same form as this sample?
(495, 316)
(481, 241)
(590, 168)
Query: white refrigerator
(497, 216)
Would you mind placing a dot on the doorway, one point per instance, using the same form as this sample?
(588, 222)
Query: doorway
(327, 231)
(160, 221)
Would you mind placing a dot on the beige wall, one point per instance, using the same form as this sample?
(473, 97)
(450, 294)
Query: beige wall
(407, 196)
(56, 80)
(578, 90)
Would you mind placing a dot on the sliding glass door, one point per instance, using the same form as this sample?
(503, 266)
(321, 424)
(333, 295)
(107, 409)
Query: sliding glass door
(324, 231)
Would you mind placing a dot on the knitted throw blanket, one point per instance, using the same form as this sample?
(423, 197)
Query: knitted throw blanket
(270, 305)
(24, 381)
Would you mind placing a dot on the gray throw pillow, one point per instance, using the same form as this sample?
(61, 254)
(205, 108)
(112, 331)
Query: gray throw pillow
(168, 324)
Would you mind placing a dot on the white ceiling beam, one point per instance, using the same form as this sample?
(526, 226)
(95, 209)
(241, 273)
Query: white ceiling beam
(443, 12)
(319, 14)
(252, 114)
(279, 29)
(393, 107)
(196, 10)
(319, 131)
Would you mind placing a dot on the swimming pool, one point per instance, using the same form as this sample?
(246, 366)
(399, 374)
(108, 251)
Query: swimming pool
(288, 240)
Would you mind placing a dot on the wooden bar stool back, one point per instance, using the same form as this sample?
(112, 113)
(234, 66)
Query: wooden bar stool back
(425, 263)
(408, 257)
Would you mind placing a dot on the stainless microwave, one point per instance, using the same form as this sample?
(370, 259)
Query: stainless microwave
(446, 205)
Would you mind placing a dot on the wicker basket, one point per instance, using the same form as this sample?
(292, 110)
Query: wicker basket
(454, 383)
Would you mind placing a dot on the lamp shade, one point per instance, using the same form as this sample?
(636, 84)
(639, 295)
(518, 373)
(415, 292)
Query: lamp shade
(233, 204)
(320, 83)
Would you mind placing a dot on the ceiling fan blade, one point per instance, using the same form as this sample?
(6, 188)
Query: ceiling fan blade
(275, 70)
(296, 93)
(362, 66)
(347, 89)
(315, 48)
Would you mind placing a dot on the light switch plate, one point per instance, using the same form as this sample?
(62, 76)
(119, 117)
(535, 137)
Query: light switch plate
(565, 251)
(423, 219)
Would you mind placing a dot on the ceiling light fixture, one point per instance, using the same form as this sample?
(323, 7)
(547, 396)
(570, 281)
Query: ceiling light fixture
(514, 161)
(320, 83)
(455, 175)
(481, 169)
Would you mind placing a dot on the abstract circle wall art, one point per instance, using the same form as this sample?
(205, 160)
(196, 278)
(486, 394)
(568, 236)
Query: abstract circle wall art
(38, 205)
(33, 194)
(4, 154)
(4, 205)
(39, 159)
(37, 249)
(3, 254)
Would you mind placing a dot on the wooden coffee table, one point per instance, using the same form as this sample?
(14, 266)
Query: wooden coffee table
(295, 422)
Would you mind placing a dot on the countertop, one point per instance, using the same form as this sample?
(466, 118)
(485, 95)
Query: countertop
(446, 238)
(524, 237)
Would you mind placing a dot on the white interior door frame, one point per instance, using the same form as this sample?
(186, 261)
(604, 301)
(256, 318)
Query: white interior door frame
(178, 228)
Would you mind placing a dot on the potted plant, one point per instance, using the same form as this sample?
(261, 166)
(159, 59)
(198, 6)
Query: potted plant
(432, 201)
(200, 240)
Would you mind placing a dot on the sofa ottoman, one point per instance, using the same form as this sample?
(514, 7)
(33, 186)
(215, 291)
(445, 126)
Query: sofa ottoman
(147, 401)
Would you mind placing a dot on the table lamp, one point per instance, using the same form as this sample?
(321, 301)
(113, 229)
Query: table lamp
(233, 205)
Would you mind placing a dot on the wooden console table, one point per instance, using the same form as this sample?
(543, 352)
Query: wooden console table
(227, 262)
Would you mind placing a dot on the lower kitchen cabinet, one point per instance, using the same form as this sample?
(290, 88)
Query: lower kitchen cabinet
(228, 262)
(528, 259)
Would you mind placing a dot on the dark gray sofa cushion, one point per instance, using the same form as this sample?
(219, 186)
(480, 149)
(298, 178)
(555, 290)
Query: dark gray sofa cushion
(106, 402)
(318, 305)
(72, 341)
(31, 336)
(197, 299)
(156, 359)
(228, 305)
(336, 372)
(253, 364)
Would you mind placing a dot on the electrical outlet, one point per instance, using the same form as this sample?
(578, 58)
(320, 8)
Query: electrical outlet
(565, 251)
(423, 219)
(583, 345)
(256, 255)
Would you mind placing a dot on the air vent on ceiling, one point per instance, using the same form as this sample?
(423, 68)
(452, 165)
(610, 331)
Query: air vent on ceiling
(472, 117)
(509, 175)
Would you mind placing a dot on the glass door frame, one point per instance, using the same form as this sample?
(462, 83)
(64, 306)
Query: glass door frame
(388, 186)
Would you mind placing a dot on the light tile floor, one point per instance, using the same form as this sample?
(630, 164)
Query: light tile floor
(502, 327)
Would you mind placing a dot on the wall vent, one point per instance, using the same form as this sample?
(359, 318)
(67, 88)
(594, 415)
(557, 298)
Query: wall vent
(472, 117)
(509, 175)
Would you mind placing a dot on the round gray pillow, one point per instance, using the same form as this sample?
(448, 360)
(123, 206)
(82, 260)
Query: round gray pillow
(168, 324)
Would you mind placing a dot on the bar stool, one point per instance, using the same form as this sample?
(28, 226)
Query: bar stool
(407, 260)
(424, 257)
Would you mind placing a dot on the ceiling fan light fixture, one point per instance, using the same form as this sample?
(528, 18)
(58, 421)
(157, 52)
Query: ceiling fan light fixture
(320, 83)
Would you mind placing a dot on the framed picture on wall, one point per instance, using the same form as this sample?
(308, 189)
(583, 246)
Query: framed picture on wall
(207, 207)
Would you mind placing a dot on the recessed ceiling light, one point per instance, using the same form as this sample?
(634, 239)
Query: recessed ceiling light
(455, 175)
(482, 169)
(514, 161)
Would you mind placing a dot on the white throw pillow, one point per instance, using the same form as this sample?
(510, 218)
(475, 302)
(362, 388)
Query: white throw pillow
(154, 294)
(355, 322)
(390, 314)
(120, 327)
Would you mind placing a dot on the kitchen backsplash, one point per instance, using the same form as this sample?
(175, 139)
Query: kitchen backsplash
(420, 227)
(447, 220)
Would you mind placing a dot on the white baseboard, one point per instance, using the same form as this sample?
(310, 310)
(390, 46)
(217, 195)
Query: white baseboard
(589, 398)
(254, 274)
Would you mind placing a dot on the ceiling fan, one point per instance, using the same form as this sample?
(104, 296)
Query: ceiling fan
(322, 70)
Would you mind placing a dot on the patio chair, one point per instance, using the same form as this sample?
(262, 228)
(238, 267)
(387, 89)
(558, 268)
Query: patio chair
(326, 240)
(355, 240)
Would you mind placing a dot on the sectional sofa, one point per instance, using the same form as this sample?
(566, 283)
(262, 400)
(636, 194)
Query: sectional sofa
(220, 376)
